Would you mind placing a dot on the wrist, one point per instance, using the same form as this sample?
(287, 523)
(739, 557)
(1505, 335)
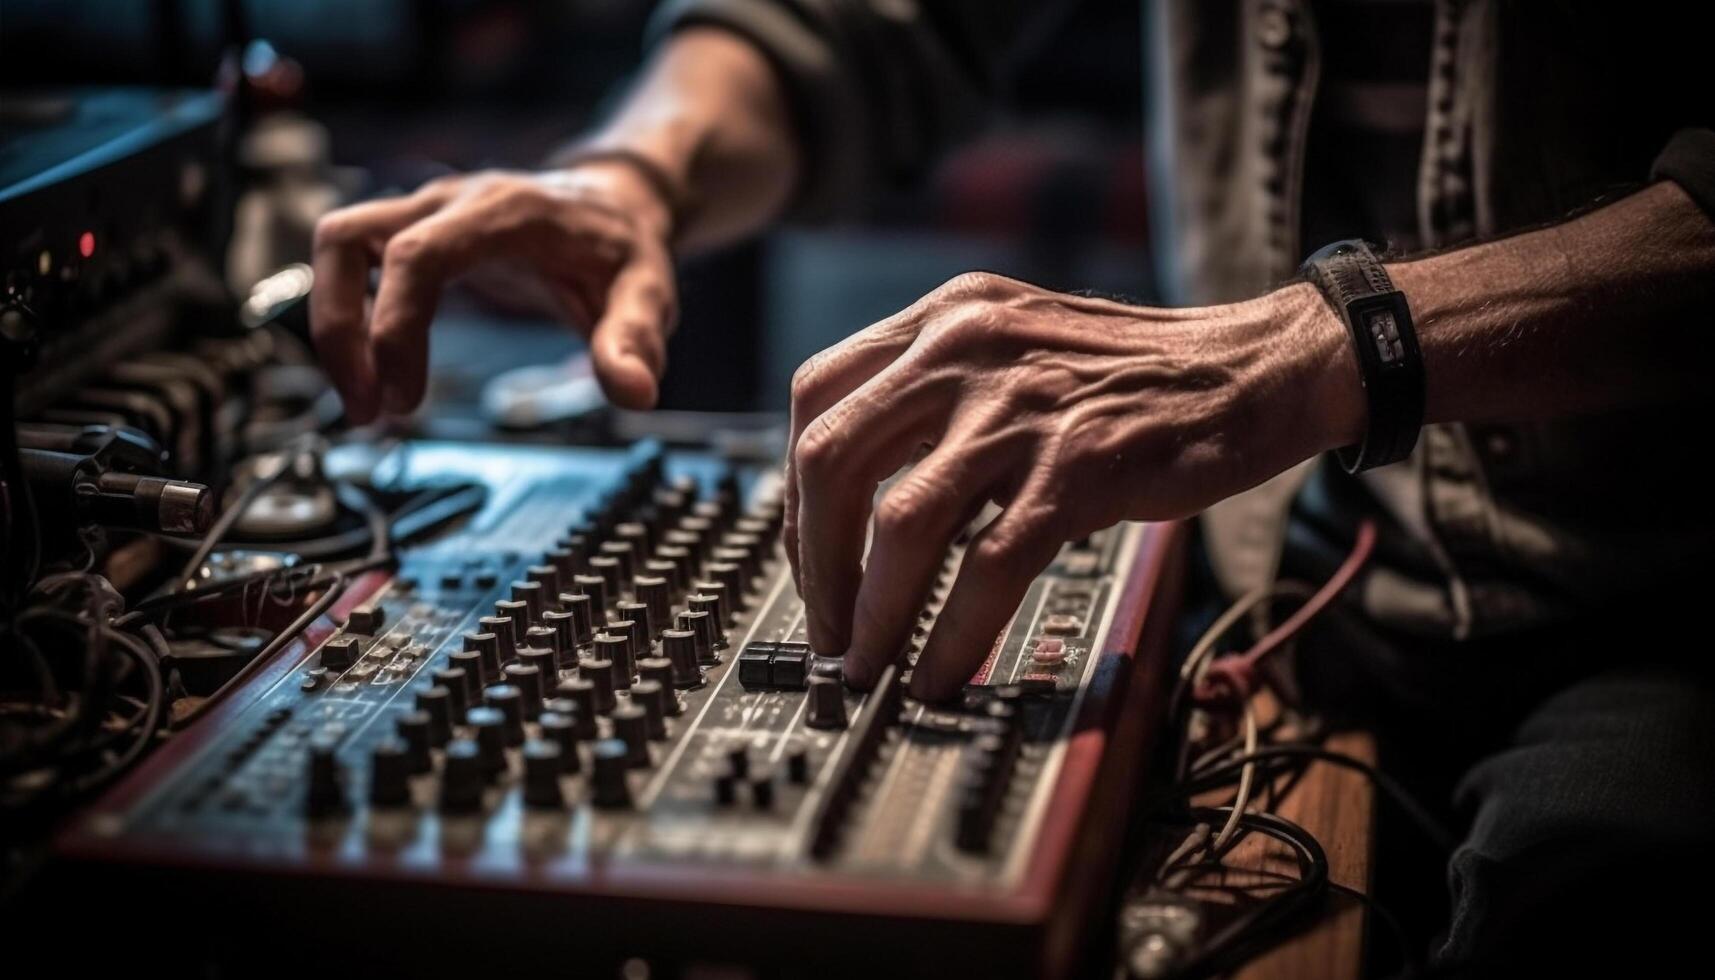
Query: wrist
(632, 182)
(1331, 408)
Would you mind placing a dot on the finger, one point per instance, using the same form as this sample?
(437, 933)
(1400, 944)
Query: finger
(629, 343)
(822, 381)
(915, 523)
(346, 244)
(998, 567)
(841, 458)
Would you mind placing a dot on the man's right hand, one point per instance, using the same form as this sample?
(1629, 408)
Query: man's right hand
(589, 244)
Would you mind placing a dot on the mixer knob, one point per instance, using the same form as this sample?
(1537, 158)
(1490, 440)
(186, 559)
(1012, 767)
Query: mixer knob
(581, 609)
(703, 529)
(542, 768)
(599, 672)
(560, 728)
(532, 595)
(457, 683)
(509, 701)
(667, 571)
(539, 649)
(631, 726)
(624, 555)
(703, 626)
(615, 648)
(680, 648)
(655, 595)
(499, 627)
(827, 708)
(527, 678)
(486, 645)
(723, 603)
(564, 558)
(726, 789)
(581, 691)
(738, 760)
(762, 790)
(325, 782)
(437, 703)
(594, 586)
(413, 728)
(711, 605)
(548, 577)
(390, 773)
(463, 776)
(609, 789)
(660, 671)
(365, 619)
(519, 612)
(489, 725)
(731, 576)
(683, 560)
(340, 653)
(798, 765)
(635, 534)
(652, 698)
(562, 628)
(639, 613)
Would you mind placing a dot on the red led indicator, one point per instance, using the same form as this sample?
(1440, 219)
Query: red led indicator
(86, 244)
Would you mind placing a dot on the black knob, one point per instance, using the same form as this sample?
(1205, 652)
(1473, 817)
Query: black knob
(533, 597)
(723, 603)
(489, 726)
(544, 659)
(560, 728)
(638, 613)
(365, 619)
(611, 571)
(711, 605)
(325, 781)
(680, 648)
(543, 637)
(655, 594)
(738, 760)
(615, 649)
(659, 670)
(600, 674)
(542, 768)
(626, 555)
(631, 726)
(703, 625)
(827, 708)
(457, 683)
(762, 790)
(682, 557)
(726, 789)
(340, 653)
(798, 765)
(581, 692)
(497, 650)
(509, 701)
(413, 727)
(519, 612)
(390, 773)
(548, 577)
(479, 649)
(582, 610)
(563, 625)
(527, 678)
(652, 698)
(437, 702)
(463, 776)
(667, 571)
(609, 788)
(564, 559)
(594, 586)
(740, 558)
(731, 576)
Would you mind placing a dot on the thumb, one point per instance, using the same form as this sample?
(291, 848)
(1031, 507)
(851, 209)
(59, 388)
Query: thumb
(629, 343)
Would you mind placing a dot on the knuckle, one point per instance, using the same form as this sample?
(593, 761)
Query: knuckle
(817, 451)
(805, 379)
(406, 249)
(335, 228)
(969, 284)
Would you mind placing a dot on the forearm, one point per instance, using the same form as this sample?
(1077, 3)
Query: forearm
(1610, 309)
(709, 112)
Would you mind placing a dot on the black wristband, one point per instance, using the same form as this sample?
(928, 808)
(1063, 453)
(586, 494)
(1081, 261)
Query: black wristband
(1390, 365)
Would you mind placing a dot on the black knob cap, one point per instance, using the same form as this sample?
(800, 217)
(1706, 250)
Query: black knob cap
(365, 619)
(723, 602)
(580, 608)
(762, 790)
(659, 670)
(731, 576)
(340, 653)
(390, 773)
(798, 765)
(594, 586)
(548, 577)
(542, 637)
(581, 691)
(652, 698)
(475, 662)
(437, 702)
(527, 678)
(559, 727)
(667, 571)
(680, 648)
(563, 625)
(324, 779)
(463, 776)
(413, 727)
(518, 612)
(827, 708)
(608, 786)
(494, 643)
(542, 657)
(531, 594)
(631, 726)
(638, 613)
(509, 701)
(655, 594)
(683, 558)
(608, 567)
(615, 649)
(564, 558)
(457, 683)
(703, 625)
(711, 605)
(738, 760)
(626, 555)
(599, 673)
(542, 768)
(489, 726)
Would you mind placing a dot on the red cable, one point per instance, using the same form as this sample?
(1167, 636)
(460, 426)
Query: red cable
(1232, 679)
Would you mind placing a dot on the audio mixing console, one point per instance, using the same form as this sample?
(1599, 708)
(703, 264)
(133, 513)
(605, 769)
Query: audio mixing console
(588, 726)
